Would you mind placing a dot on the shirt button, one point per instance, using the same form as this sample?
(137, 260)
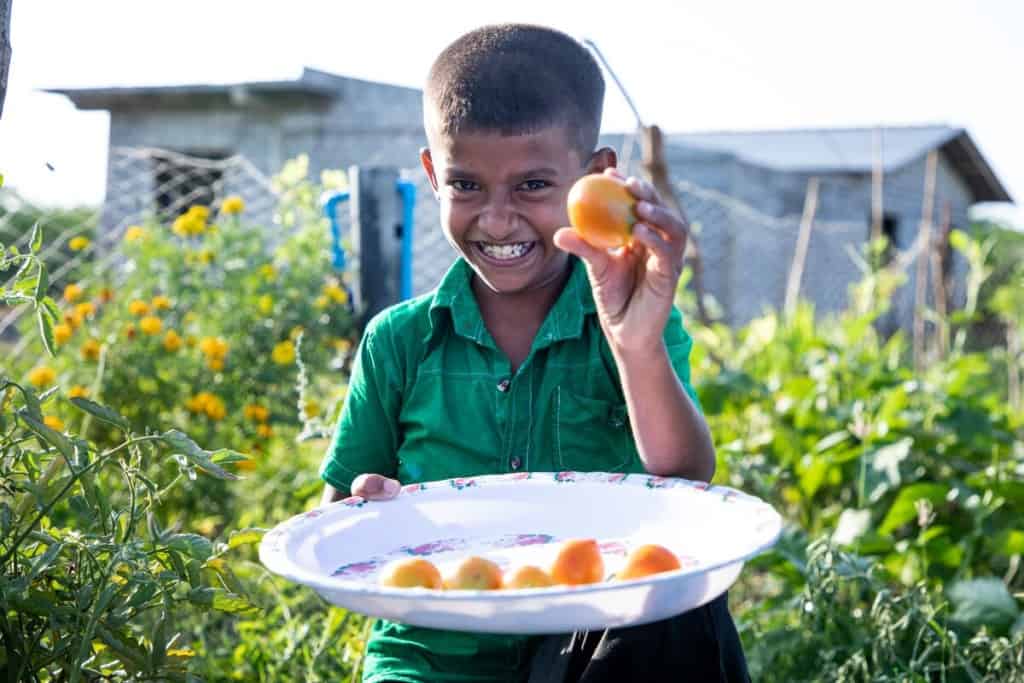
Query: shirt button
(503, 385)
(515, 463)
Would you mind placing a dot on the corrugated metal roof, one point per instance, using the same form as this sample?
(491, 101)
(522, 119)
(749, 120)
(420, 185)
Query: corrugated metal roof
(824, 149)
(851, 150)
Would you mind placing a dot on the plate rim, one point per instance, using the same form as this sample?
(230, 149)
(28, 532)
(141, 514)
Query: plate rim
(273, 557)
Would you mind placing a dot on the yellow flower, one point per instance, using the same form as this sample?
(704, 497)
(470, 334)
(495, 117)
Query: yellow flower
(151, 325)
(296, 331)
(191, 223)
(266, 304)
(138, 307)
(134, 233)
(283, 353)
(311, 409)
(214, 408)
(181, 652)
(78, 391)
(255, 412)
(62, 332)
(86, 309)
(91, 349)
(172, 341)
(336, 293)
(213, 347)
(343, 345)
(216, 364)
(321, 302)
(78, 243)
(129, 330)
(233, 204)
(198, 211)
(245, 465)
(72, 292)
(160, 303)
(53, 422)
(42, 376)
(268, 272)
(73, 319)
(205, 256)
(264, 430)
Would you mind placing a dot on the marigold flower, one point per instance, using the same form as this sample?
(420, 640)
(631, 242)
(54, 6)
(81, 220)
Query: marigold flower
(283, 353)
(215, 364)
(264, 430)
(78, 243)
(215, 409)
(321, 302)
(86, 309)
(311, 409)
(73, 319)
(160, 303)
(78, 391)
(266, 304)
(53, 422)
(62, 332)
(42, 376)
(335, 292)
(343, 345)
(213, 347)
(268, 271)
(90, 349)
(233, 204)
(72, 292)
(138, 307)
(172, 341)
(134, 233)
(151, 325)
(255, 412)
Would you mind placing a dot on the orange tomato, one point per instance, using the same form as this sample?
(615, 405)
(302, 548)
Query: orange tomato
(601, 210)
(647, 560)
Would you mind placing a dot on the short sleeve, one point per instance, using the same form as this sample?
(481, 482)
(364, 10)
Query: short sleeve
(367, 435)
(679, 344)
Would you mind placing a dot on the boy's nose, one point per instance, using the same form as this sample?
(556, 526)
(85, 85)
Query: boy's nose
(498, 221)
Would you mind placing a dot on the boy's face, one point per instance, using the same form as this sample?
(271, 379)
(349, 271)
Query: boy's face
(502, 199)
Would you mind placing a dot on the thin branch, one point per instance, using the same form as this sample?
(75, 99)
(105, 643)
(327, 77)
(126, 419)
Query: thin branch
(803, 241)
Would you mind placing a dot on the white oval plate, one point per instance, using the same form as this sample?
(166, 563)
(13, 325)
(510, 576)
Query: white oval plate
(520, 519)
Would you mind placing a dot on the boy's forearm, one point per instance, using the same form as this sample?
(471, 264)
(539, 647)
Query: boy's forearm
(671, 435)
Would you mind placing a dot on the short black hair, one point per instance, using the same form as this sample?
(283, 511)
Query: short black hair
(516, 79)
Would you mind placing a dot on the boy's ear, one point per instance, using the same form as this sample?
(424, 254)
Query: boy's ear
(428, 166)
(602, 159)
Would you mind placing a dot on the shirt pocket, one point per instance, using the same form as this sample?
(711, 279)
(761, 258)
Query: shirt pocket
(591, 435)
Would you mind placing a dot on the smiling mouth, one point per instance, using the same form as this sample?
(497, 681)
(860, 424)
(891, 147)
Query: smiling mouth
(506, 252)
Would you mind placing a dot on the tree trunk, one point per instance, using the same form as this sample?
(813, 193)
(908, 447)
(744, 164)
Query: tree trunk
(5, 49)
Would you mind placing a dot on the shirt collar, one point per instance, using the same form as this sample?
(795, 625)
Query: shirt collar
(564, 321)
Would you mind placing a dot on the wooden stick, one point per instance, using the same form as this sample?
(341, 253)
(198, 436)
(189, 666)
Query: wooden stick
(921, 278)
(1013, 351)
(656, 170)
(803, 241)
(940, 287)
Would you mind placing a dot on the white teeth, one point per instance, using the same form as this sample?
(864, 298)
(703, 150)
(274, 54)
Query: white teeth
(506, 251)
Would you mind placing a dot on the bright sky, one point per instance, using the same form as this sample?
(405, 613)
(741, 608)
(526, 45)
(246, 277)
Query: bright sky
(713, 65)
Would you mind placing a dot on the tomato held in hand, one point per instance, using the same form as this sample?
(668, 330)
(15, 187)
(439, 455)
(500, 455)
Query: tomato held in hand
(601, 210)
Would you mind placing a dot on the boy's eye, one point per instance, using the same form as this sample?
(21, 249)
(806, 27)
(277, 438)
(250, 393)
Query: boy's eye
(534, 185)
(462, 185)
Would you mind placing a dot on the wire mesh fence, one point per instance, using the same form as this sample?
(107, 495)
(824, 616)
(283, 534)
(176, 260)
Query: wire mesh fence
(746, 248)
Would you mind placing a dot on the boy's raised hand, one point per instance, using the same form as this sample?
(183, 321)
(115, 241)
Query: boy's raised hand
(634, 287)
(375, 487)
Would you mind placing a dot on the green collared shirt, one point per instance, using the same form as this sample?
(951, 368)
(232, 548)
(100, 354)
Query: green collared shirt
(431, 396)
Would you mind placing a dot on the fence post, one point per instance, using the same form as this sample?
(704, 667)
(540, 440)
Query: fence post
(377, 223)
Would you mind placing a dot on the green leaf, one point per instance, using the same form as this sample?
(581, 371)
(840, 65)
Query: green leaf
(46, 331)
(221, 600)
(51, 307)
(43, 562)
(48, 436)
(36, 241)
(831, 440)
(1007, 542)
(245, 537)
(904, 508)
(158, 652)
(193, 545)
(42, 283)
(201, 458)
(123, 645)
(101, 412)
(983, 602)
(225, 456)
(812, 477)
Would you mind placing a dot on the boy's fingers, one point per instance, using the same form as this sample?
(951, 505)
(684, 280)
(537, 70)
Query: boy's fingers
(569, 240)
(375, 487)
(642, 189)
(672, 227)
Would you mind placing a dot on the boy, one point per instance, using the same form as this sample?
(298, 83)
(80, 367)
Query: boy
(535, 352)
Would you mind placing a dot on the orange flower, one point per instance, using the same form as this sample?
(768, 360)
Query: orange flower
(90, 349)
(62, 332)
(86, 309)
(172, 341)
(78, 391)
(151, 325)
(264, 430)
(161, 303)
(256, 412)
(42, 376)
(72, 292)
(53, 422)
(216, 364)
